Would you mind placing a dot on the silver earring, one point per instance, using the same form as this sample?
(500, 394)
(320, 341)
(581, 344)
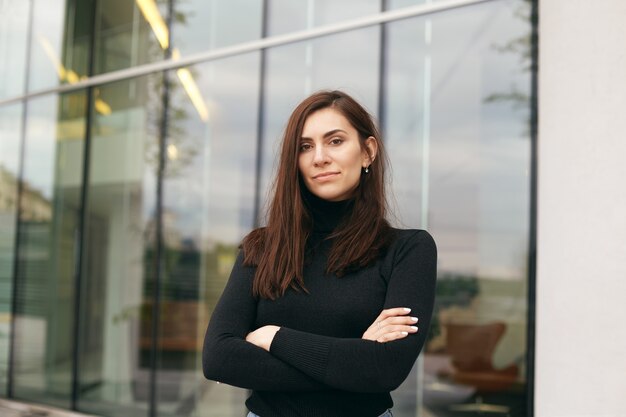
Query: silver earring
(367, 169)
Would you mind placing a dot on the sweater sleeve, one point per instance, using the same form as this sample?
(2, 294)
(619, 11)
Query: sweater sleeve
(360, 365)
(227, 357)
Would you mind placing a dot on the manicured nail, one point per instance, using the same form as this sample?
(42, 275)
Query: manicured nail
(414, 319)
(404, 333)
(407, 309)
(414, 328)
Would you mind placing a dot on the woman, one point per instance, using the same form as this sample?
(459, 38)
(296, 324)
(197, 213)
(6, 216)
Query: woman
(319, 316)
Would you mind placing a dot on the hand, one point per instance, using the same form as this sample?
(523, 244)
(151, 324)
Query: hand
(391, 324)
(263, 336)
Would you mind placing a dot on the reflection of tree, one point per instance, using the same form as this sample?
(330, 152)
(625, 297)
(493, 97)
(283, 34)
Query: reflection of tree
(521, 46)
(167, 111)
(180, 147)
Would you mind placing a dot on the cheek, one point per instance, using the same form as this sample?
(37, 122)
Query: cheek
(301, 165)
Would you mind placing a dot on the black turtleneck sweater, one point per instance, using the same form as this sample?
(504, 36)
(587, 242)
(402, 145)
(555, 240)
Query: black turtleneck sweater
(318, 365)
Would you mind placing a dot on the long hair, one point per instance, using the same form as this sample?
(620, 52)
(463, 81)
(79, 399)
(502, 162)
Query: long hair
(278, 250)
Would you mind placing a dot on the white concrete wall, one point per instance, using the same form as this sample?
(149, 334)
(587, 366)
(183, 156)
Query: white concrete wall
(581, 276)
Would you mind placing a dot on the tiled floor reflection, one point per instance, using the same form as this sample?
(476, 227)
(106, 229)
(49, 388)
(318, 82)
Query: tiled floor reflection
(18, 409)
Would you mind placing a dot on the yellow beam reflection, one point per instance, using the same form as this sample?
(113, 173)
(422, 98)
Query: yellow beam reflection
(151, 13)
(191, 88)
(102, 107)
(50, 53)
(69, 75)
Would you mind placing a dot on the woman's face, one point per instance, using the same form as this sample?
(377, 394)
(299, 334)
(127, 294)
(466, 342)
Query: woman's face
(331, 156)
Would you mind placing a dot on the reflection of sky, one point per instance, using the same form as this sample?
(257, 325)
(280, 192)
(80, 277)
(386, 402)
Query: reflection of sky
(478, 157)
(287, 16)
(211, 24)
(214, 193)
(13, 36)
(48, 22)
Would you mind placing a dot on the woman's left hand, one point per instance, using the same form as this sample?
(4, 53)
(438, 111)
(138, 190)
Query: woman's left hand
(263, 336)
(391, 324)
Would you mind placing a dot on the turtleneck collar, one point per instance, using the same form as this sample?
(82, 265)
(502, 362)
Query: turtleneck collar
(326, 215)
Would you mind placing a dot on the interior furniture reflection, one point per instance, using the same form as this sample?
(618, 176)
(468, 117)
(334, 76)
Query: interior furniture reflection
(471, 348)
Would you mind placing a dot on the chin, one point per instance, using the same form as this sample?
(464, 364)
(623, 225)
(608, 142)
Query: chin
(326, 195)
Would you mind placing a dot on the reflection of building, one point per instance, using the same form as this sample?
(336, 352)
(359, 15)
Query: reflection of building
(34, 206)
(132, 210)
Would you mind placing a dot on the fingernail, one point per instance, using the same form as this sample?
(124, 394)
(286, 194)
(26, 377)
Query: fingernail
(404, 333)
(414, 319)
(407, 309)
(414, 328)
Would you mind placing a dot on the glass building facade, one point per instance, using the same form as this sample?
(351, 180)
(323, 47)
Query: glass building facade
(128, 180)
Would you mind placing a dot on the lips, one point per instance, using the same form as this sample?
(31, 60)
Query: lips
(325, 175)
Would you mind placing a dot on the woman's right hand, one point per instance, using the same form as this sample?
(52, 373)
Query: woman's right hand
(391, 324)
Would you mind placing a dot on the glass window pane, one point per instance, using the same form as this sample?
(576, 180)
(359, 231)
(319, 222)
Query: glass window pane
(456, 112)
(398, 4)
(48, 230)
(119, 260)
(286, 16)
(13, 40)
(130, 33)
(200, 25)
(294, 71)
(208, 208)
(60, 41)
(10, 132)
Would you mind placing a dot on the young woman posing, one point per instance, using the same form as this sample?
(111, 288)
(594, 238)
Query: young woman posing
(320, 314)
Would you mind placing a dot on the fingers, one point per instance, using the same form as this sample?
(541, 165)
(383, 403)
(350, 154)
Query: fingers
(392, 312)
(394, 328)
(399, 328)
(391, 336)
(392, 324)
(400, 320)
(398, 323)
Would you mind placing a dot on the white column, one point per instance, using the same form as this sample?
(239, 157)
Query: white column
(581, 255)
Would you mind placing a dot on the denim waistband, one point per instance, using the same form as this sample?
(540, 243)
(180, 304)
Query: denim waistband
(385, 414)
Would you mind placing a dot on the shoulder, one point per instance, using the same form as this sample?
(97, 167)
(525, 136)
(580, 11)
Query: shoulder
(412, 238)
(411, 247)
(413, 252)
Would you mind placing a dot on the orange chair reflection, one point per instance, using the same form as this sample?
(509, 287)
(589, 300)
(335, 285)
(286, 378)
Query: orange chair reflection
(471, 349)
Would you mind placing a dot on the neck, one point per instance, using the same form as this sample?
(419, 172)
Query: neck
(325, 215)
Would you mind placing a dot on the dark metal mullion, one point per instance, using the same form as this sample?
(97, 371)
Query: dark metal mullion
(532, 240)
(18, 208)
(159, 241)
(80, 253)
(382, 71)
(260, 127)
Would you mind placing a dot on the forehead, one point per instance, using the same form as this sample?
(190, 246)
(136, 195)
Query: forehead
(325, 120)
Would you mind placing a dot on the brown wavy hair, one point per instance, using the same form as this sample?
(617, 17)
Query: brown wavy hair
(278, 250)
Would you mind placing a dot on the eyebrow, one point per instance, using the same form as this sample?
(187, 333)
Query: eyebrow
(327, 134)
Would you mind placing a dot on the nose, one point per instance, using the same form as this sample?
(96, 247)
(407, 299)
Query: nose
(320, 156)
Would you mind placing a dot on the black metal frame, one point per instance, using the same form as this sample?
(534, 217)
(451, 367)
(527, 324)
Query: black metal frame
(532, 232)
(79, 261)
(260, 127)
(18, 209)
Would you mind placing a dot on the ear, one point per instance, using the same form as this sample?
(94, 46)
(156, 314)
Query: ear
(369, 151)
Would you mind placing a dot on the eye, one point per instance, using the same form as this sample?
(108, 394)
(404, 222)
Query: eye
(336, 141)
(305, 147)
